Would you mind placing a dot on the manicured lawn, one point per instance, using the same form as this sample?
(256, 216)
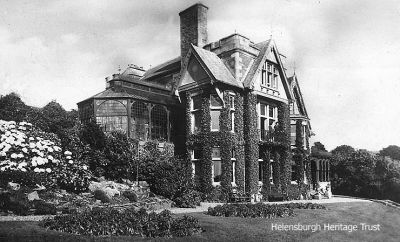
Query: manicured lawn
(252, 229)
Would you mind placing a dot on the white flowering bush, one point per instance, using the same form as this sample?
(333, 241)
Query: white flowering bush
(29, 155)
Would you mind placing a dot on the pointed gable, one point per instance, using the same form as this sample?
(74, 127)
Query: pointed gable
(269, 52)
(210, 64)
(299, 107)
(195, 73)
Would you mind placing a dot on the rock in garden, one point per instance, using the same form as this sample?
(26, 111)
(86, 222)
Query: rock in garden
(93, 186)
(33, 196)
(111, 192)
(13, 186)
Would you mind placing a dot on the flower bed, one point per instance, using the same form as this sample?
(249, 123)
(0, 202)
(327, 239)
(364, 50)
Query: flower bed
(260, 210)
(106, 221)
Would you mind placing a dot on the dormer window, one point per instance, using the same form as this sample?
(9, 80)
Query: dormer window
(270, 75)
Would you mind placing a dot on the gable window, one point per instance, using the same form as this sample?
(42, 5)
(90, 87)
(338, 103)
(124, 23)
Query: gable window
(268, 117)
(270, 75)
(215, 111)
(216, 168)
(196, 113)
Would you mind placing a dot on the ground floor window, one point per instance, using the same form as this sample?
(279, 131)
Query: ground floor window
(195, 157)
(294, 178)
(260, 170)
(217, 166)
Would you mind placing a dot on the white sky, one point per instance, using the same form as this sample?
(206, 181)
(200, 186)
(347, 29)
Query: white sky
(347, 53)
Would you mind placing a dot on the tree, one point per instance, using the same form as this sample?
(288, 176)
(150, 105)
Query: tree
(318, 151)
(393, 151)
(343, 151)
(12, 108)
(319, 146)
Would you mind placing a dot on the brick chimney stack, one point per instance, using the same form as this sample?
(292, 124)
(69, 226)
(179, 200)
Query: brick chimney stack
(193, 27)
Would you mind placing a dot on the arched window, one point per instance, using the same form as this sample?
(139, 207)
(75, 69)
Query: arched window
(112, 115)
(140, 120)
(159, 123)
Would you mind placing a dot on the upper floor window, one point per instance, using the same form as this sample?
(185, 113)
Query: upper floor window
(215, 111)
(268, 118)
(270, 75)
(217, 166)
(232, 112)
(293, 134)
(195, 110)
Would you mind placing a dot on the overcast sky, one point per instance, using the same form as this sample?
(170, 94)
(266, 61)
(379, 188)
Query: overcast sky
(346, 53)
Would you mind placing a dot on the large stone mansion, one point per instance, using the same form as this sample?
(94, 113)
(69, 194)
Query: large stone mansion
(227, 105)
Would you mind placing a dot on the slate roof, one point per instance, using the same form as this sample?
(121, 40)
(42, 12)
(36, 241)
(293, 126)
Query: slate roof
(216, 67)
(253, 69)
(173, 65)
(294, 79)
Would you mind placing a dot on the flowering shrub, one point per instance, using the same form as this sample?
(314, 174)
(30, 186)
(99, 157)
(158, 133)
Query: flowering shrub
(109, 221)
(26, 149)
(260, 210)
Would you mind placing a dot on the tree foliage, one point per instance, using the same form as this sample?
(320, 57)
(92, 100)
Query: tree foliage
(360, 173)
(393, 151)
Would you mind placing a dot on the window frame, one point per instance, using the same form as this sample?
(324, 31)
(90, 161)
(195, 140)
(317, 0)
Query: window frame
(266, 116)
(214, 183)
(193, 112)
(215, 109)
(269, 75)
(194, 162)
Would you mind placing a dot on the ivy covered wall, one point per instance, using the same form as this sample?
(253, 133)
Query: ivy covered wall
(251, 151)
(246, 145)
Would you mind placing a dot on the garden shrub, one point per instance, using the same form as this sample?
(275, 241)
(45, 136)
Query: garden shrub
(119, 153)
(43, 208)
(26, 179)
(260, 210)
(130, 195)
(109, 221)
(15, 201)
(218, 194)
(172, 179)
(27, 149)
(102, 196)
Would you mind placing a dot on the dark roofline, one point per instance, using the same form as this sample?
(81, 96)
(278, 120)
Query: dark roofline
(296, 83)
(196, 4)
